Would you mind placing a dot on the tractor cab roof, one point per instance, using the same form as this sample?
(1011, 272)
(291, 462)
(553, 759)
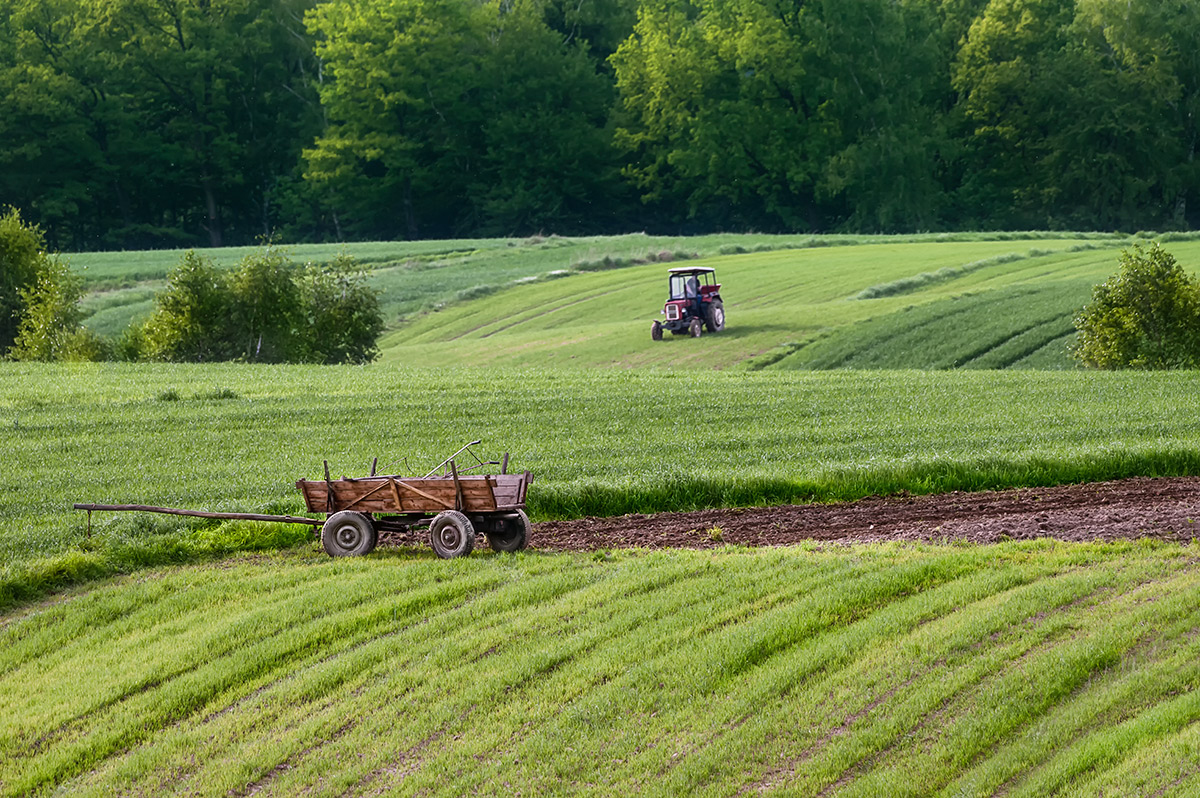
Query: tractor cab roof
(692, 270)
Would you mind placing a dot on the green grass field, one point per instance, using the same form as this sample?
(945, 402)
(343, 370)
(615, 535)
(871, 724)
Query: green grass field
(934, 301)
(989, 304)
(159, 655)
(600, 442)
(1020, 669)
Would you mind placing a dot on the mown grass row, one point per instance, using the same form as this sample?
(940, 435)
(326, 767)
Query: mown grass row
(234, 437)
(778, 289)
(415, 277)
(1029, 669)
(937, 304)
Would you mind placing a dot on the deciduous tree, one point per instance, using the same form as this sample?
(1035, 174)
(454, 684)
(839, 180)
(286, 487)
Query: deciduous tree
(799, 116)
(1145, 316)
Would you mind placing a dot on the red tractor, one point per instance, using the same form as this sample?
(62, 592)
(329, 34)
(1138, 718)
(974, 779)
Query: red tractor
(694, 304)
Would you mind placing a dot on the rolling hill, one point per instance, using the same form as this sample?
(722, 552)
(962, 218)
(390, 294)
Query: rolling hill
(149, 655)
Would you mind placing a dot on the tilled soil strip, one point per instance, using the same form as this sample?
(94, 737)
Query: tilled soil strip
(1165, 509)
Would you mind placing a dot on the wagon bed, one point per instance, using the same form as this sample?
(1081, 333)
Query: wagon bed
(477, 493)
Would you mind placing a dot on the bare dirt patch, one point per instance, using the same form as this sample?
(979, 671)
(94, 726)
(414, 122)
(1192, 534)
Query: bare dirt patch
(1163, 509)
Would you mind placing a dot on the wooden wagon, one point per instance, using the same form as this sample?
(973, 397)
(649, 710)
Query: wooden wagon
(457, 506)
(461, 505)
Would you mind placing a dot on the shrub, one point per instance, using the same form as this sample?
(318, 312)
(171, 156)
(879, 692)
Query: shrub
(21, 260)
(50, 326)
(342, 315)
(265, 311)
(39, 299)
(193, 319)
(1146, 316)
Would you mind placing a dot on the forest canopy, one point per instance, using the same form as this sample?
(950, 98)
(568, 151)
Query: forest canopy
(146, 123)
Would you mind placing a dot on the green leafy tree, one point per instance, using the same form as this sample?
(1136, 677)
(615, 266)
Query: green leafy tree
(343, 318)
(1152, 48)
(137, 122)
(51, 321)
(267, 307)
(1146, 316)
(266, 310)
(22, 259)
(447, 116)
(192, 319)
(1072, 114)
(756, 112)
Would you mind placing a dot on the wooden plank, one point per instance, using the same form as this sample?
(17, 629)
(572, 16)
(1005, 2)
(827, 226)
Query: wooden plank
(458, 494)
(420, 492)
(373, 490)
(396, 495)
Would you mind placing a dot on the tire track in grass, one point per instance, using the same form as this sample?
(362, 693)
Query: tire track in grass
(1144, 700)
(141, 715)
(834, 695)
(62, 666)
(217, 641)
(699, 654)
(1104, 702)
(1098, 756)
(706, 735)
(569, 662)
(353, 665)
(1035, 635)
(465, 664)
(1019, 696)
(612, 624)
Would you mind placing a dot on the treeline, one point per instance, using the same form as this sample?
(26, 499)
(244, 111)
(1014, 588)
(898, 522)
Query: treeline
(146, 123)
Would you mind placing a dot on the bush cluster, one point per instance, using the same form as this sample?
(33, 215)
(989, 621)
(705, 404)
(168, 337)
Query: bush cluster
(268, 310)
(40, 317)
(1146, 316)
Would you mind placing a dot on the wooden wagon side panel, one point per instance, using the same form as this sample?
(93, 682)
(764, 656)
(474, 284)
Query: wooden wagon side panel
(394, 495)
(510, 490)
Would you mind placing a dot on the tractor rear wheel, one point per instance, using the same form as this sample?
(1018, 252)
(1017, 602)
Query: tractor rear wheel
(714, 317)
(348, 534)
(515, 535)
(656, 331)
(451, 535)
(695, 327)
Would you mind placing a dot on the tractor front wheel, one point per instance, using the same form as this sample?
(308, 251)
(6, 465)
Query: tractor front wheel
(695, 327)
(656, 331)
(714, 317)
(451, 535)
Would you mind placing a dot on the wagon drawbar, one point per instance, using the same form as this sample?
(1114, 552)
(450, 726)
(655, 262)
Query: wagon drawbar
(454, 504)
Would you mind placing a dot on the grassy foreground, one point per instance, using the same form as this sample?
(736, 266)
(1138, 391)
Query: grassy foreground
(1023, 669)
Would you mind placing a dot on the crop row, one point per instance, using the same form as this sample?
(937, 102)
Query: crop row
(1033, 669)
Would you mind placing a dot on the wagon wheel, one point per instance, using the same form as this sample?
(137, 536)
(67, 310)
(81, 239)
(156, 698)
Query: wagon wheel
(656, 331)
(695, 327)
(451, 534)
(348, 534)
(514, 536)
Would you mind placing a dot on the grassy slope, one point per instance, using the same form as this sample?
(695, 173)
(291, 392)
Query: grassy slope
(1004, 303)
(934, 301)
(412, 276)
(1028, 669)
